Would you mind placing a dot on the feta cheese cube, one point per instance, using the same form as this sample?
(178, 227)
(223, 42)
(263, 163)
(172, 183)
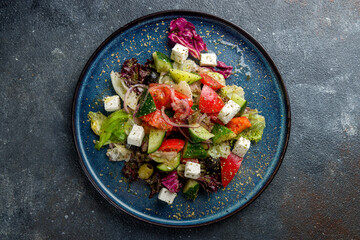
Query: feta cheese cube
(112, 103)
(136, 135)
(166, 195)
(179, 53)
(227, 113)
(241, 147)
(208, 59)
(192, 170)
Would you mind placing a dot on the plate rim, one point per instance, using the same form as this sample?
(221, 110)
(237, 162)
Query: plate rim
(191, 13)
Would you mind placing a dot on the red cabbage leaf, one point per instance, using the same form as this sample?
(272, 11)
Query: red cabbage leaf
(183, 32)
(171, 182)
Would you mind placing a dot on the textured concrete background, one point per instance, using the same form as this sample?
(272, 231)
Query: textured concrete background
(45, 195)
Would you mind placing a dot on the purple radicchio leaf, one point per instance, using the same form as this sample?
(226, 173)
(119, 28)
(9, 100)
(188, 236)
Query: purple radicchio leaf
(154, 182)
(171, 182)
(133, 72)
(130, 170)
(209, 182)
(184, 33)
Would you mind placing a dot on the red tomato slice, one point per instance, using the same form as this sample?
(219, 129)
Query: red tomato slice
(156, 120)
(161, 95)
(172, 145)
(211, 82)
(229, 167)
(210, 101)
(148, 117)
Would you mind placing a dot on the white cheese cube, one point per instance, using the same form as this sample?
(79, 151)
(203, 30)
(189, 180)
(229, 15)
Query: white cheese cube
(208, 60)
(136, 135)
(112, 103)
(192, 170)
(166, 195)
(179, 53)
(241, 147)
(227, 113)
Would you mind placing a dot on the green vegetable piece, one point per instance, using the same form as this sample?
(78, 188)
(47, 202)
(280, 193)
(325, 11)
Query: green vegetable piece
(191, 189)
(194, 150)
(240, 101)
(156, 138)
(255, 132)
(188, 77)
(162, 62)
(96, 120)
(180, 170)
(229, 90)
(222, 133)
(111, 125)
(129, 125)
(200, 134)
(147, 106)
(119, 135)
(170, 165)
(195, 107)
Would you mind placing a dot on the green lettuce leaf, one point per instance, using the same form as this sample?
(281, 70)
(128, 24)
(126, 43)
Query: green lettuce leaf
(255, 132)
(112, 129)
(96, 120)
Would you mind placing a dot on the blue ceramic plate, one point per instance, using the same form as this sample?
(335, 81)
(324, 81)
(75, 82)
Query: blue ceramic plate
(255, 72)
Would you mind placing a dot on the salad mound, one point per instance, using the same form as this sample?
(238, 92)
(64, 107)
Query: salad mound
(175, 122)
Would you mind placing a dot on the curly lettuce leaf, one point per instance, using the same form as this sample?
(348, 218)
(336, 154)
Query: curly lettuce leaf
(134, 73)
(219, 150)
(255, 132)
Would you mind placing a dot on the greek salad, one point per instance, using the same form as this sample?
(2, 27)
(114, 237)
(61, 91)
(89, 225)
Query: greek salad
(175, 122)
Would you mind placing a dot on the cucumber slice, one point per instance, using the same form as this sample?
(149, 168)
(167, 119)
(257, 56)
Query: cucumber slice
(156, 138)
(240, 101)
(200, 134)
(170, 165)
(147, 106)
(222, 133)
(179, 75)
(194, 150)
(191, 189)
(180, 170)
(162, 62)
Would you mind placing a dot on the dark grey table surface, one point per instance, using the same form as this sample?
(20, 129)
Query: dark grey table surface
(44, 46)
